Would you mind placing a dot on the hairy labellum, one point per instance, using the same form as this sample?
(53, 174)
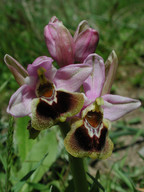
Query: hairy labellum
(90, 142)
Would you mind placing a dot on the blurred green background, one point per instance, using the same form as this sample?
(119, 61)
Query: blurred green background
(121, 27)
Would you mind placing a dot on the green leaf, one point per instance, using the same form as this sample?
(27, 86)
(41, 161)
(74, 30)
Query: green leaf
(124, 130)
(91, 176)
(22, 137)
(46, 144)
(141, 156)
(96, 185)
(19, 185)
(2, 182)
(70, 187)
(3, 160)
(39, 186)
(97, 175)
(135, 120)
(124, 177)
(43, 187)
(116, 187)
(3, 86)
(54, 189)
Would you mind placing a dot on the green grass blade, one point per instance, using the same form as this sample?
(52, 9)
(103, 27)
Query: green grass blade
(20, 184)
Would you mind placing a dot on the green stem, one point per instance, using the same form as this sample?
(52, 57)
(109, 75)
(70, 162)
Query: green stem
(9, 153)
(76, 165)
(78, 172)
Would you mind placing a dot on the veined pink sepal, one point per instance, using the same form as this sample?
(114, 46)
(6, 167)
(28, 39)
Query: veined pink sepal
(86, 40)
(94, 83)
(59, 42)
(116, 106)
(16, 68)
(111, 65)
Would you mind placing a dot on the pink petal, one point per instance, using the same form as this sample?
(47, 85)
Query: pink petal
(20, 102)
(116, 106)
(86, 40)
(82, 26)
(59, 42)
(94, 83)
(45, 62)
(16, 68)
(72, 76)
(111, 65)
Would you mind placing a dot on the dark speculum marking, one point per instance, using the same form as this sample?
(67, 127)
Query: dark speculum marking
(64, 102)
(46, 110)
(88, 143)
(63, 105)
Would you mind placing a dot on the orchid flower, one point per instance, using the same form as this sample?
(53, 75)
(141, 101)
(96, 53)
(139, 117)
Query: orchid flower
(46, 94)
(89, 133)
(66, 49)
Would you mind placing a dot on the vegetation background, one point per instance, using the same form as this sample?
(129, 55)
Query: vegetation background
(120, 25)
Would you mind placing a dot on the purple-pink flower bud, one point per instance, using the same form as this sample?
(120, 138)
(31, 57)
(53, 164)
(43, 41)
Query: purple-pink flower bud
(86, 40)
(59, 42)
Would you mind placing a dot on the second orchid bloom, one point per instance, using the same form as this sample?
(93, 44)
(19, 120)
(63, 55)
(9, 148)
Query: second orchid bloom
(89, 132)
